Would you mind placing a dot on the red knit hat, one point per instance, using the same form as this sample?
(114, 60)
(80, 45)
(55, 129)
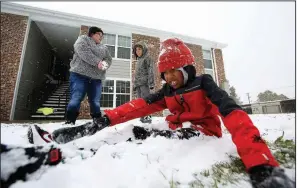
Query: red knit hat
(174, 54)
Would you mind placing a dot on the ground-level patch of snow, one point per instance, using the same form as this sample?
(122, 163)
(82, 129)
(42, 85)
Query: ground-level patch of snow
(154, 163)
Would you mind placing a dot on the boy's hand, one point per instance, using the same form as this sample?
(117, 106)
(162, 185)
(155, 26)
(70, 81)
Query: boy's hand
(265, 176)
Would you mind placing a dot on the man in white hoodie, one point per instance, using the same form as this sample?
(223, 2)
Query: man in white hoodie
(87, 71)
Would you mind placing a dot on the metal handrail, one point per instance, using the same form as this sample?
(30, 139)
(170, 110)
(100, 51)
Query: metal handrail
(66, 97)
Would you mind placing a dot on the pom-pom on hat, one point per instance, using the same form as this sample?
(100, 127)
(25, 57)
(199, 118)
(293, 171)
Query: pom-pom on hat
(174, 54)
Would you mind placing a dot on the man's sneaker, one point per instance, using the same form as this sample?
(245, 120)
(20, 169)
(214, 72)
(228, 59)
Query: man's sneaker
(36, 135)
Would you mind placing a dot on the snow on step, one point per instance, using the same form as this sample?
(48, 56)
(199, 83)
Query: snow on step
(49, 116)
(56, 101)
(50, 105)
(55, 113)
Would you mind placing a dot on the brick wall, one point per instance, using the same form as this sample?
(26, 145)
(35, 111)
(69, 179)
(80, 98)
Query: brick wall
(220, 66)
(13, 29)
(198, 55)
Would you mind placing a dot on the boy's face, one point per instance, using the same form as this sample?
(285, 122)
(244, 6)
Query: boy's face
(174, 78)
(139, 51)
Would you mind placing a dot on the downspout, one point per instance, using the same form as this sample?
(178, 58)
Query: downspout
(130, 68)
(16, 89)
(215, 66)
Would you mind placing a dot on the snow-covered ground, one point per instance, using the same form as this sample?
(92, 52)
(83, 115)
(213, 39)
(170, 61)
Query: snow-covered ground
(154, 163)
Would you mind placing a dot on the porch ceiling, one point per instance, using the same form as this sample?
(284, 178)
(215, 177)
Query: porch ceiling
(60, 37)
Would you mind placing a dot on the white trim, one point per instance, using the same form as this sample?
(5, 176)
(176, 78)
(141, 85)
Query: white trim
(213, 62)
(207, 49)
(120, 59)
(130, 67)
(114, 94)
(116, 46)
(39, 14)
(115, 91)
(115, 78)
(16, 89)
(105, 108)
(215, 66)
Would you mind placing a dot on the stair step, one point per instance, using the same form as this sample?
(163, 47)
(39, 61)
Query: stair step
(54, 97)
(55, 113)
(57, 99)
(62, 90)
(49, 116)
(59, 108)
(57, 96)
(55, 105)
(56, 102)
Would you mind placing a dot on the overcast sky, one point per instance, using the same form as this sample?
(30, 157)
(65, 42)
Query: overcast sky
(260, 35)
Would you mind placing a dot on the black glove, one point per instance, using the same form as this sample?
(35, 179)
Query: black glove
(186, 133)
(164, 133)
(140, 133)
(265, 176)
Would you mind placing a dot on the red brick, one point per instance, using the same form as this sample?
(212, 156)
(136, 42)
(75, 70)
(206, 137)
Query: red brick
(13, 29)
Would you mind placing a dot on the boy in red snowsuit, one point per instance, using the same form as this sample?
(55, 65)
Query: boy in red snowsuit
(196, 99)
(199, 100)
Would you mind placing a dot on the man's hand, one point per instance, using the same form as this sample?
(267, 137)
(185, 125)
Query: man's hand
(102, 65)
(265, 176)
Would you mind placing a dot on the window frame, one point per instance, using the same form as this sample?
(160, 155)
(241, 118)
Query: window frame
(116, 46)
(115, 91)
(212, 63)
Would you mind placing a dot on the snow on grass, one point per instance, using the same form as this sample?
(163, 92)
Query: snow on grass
(154, 162)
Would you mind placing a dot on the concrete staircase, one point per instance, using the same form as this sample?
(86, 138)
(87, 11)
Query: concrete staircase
(58, 101)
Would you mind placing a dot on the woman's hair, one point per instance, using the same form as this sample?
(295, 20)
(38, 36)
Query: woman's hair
(93, 30)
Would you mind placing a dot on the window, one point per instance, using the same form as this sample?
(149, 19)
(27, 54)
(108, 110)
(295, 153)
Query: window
(124, 46)
(122, 92)
(107, 94)
(121, 49)
(110, 40)
(208, 65)
(115, 93)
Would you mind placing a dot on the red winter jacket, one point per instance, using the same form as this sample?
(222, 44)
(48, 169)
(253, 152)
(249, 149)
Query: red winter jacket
(200, 102)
